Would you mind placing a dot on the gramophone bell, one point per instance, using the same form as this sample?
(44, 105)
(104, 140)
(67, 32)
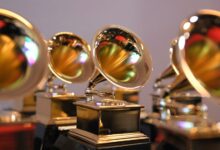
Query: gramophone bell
(199, 51)
(120, 56)
(70, 57)
(23, 56)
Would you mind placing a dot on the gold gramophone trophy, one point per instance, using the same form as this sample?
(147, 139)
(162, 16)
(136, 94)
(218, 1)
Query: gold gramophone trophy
(181, 101)
(71, 62)
(198, 50)
(177, 97)
(23, 65)
(107, 123)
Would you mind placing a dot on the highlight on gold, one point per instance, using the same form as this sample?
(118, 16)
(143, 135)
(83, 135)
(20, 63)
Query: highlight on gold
(121, 57)
(69, 57)
(23, 56)
(199, 46)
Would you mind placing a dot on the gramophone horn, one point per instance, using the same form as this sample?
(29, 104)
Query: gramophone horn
(70, 57)
(23, 56)
(174, 68)
(180, 83)
(167, 73)
(174, 57)
(199, 51)
(121, 58)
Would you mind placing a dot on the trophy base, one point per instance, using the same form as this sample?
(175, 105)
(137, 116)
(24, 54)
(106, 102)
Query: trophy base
(108, 116)
(178, 141)
(83, 140)
(105, 125)
(56, 115)
(183, 132)
(47, 134)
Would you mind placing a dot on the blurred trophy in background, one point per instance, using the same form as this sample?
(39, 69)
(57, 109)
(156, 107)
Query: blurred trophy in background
(104, 122)
(177, 97)
(28, 105)
(70, 61)
(198, 52)
(23, 65)
(130, 95)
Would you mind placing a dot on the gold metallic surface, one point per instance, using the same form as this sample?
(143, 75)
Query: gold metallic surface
(175, 61)
(199, 46)
(9, 116)
(7, 55)
(70, 58)
(56, 108)
(107, 139)
(23, 57)
(131, 95)
(174, 68)
(121, 58)
(107, 104)
(193, 127)
(70, 61)
(190, 126)
(29, 103)
(169, 72)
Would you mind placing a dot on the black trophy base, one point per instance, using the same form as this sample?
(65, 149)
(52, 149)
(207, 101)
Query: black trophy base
(47, 134)
(149, 129)
(83, 140)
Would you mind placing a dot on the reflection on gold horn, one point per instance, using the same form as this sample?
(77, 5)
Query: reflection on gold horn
(121, 58)
(70, 57)
(199, 50)
(23, 58)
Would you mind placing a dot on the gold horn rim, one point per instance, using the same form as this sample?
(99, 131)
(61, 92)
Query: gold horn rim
(36, 69)
(186, 31)
(77, 65)
(175, 61)
(146, 61)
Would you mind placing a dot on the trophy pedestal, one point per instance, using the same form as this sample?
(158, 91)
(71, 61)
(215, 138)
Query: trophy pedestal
(109, 124)
(184, 132)
(56, 115)
(47, 134)
(179, 141)
(179, 105)
(128, 141)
